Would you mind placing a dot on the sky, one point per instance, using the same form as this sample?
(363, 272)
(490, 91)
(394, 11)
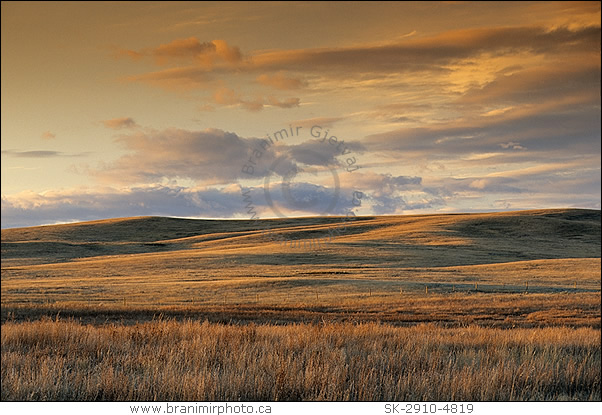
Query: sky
(282, 109)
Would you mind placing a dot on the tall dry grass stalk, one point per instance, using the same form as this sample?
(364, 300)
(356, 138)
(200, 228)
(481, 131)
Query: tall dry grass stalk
(193, 361)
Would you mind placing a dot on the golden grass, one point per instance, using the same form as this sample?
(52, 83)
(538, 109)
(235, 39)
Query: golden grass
(193, 361)
(446, 310)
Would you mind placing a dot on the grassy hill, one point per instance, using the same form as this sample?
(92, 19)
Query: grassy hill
(233, 268)
(483, 238)
(492, 306)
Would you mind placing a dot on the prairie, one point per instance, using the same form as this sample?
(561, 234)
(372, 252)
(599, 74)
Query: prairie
(488, 306)
(193, 361)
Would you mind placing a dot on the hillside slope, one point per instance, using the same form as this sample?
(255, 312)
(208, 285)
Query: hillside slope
(152, 262)
(458, 239)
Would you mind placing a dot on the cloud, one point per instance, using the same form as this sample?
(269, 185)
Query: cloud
(540, 83)
(382, 194)
(380, 182)
(541, 129)
(512, 145)
(409, 54)
(191, 50)
(388, 205)
(385, 193)
(500, 142)
(459, 64)
(280, 81)
(226, 96)
(211, 156)
(47, 135)
(190, 47)
(324, 122)
(285, 103)
(30, 209)
(229, 97)
(120, 123)
(32, 153)
(208, 155)
(318, 153)
(39, 154)
(178, 79)
(420, 54)
(547, 184)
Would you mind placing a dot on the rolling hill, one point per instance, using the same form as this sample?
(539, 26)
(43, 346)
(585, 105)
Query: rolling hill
(305, 263)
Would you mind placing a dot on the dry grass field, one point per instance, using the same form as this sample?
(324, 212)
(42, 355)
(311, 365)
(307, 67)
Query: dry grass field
(192, 361)
(495, 306)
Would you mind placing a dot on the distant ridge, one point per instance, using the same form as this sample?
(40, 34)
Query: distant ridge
(482, 237)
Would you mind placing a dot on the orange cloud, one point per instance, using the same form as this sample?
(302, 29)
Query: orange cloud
(432, 54)
(178, 48)
(120, 123)
(178, 79)
(47, 135)
(191, 50)
(280, 81)
(228, 53)
(227, 96)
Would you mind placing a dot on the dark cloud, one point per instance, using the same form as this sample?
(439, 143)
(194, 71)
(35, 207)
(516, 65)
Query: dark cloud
(323, 153)
(388, 205)
(545, 130)
(540, 84)
(382, 194)
(553, 185)
(32, 209)
(211, 155)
